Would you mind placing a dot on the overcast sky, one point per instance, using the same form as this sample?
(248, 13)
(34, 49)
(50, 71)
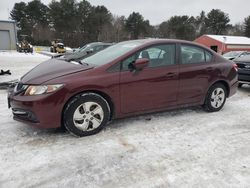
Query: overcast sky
(157, 11)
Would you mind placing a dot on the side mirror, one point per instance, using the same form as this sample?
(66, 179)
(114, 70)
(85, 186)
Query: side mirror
(140, 64)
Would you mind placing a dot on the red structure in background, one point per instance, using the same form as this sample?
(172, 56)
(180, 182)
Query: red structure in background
(222, 43)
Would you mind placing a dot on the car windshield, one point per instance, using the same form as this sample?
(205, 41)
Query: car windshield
(78, 54)
(113, 52)
(232, 54)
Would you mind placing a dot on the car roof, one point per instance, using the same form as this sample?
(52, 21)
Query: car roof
(157, 40)
(98, 43)
(152, 41)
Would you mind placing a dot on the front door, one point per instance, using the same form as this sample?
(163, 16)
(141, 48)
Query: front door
(155, 86)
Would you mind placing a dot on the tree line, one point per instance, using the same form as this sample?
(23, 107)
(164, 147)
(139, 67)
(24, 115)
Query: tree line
(78, 23)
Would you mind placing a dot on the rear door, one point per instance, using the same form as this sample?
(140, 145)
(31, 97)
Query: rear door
(155, 86)
(196, 70)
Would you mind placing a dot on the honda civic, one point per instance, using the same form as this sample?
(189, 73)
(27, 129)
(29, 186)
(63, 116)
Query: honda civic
(127, 79)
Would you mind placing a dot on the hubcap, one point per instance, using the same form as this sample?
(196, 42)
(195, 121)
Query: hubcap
(217, 98)
(88, 116)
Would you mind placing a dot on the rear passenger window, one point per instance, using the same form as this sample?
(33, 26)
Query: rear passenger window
(192, 54)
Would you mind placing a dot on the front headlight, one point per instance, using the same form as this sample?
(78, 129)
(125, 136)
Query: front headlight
(42, 89)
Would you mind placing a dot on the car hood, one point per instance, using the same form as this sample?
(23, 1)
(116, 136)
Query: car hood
(52, 69)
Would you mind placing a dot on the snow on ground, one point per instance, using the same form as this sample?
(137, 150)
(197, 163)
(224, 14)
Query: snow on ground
(18, 63)
(178, 148)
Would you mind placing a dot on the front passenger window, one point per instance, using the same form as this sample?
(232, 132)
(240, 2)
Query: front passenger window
(159, 55)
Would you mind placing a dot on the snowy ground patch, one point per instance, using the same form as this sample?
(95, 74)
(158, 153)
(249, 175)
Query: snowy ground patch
(18, 63)
(177, 148)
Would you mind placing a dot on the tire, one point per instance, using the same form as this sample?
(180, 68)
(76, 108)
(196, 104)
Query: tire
(216, 98)
(240, 85)
(86, 114)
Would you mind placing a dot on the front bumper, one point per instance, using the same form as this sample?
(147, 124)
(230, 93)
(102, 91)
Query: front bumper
(24, 115)
(42, 111)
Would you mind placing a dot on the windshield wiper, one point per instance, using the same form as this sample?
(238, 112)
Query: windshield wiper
(77, 61)
(70, 60)
(83, 63)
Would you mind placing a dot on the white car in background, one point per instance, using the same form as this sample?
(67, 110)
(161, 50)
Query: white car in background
(235, 54)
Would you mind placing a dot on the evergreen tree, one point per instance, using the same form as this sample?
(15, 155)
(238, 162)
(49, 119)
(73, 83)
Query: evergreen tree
(136, 25)
(217, 22)
(247, 26)
(178, 27)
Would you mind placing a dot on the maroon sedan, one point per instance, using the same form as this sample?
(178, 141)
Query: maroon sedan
(129, 78)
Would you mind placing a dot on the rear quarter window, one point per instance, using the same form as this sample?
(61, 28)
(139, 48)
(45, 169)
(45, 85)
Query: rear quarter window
(209, 56)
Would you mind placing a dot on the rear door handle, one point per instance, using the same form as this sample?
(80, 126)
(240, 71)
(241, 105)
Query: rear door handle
(209, 69)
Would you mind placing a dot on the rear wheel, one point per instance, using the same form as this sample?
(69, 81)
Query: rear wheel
(216, 98)
(86, 114)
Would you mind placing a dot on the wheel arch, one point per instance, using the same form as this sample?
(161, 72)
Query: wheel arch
(98, 92)
(223, 82)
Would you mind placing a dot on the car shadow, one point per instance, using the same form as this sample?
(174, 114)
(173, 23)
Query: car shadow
(115, 124)
(123, 122)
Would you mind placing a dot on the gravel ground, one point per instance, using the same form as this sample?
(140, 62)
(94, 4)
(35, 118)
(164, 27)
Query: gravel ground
(178, 148)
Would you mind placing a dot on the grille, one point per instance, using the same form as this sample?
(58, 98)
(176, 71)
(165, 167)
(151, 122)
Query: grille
(243, 65)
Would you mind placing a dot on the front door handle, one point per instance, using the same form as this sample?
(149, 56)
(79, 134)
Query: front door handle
(171, 75)
(209, 69)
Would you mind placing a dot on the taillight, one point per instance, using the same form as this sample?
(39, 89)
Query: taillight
(235, 66)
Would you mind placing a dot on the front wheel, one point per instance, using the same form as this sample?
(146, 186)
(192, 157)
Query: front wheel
(86, 114)
(216, 98)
